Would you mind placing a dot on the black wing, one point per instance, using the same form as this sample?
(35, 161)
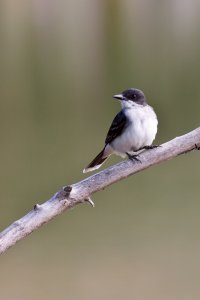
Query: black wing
(116, 127)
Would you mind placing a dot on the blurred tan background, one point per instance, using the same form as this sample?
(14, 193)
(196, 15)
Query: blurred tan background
(60, 64)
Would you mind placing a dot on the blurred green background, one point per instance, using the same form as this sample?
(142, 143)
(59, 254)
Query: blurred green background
(60, 64)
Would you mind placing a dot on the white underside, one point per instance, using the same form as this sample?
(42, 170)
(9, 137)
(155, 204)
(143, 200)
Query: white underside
(140, 132)
(92, 169)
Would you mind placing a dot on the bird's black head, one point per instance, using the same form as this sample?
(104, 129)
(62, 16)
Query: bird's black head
(132, 95)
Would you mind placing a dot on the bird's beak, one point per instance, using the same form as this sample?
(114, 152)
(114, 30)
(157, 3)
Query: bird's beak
(119, 97)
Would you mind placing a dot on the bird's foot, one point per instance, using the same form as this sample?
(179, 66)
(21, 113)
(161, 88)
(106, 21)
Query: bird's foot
(151, 147)
(133, 157)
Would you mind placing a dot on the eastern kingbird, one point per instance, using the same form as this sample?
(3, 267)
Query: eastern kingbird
(133, 129)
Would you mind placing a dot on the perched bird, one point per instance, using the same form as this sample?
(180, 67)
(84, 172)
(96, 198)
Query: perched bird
(133, 129)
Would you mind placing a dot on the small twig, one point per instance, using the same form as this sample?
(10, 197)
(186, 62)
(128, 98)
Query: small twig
(89, 200)
(81, 192)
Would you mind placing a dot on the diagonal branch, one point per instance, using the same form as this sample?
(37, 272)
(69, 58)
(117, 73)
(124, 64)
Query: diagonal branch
(80, 192)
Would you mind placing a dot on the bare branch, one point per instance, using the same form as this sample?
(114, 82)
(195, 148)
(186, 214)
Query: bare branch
(81, 192)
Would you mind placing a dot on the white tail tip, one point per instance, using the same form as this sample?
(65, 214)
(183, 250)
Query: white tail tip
(91, 169)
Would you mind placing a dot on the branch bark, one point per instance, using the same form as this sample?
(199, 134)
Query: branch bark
(80, 192)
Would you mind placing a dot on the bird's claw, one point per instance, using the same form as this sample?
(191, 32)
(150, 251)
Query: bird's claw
(133, 157)
(151, 147)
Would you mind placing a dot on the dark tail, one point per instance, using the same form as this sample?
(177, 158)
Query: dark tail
(96, 163)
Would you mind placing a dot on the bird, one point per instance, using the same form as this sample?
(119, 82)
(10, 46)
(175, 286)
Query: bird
(133, 129)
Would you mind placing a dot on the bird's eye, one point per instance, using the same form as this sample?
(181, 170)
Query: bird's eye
(134, 96)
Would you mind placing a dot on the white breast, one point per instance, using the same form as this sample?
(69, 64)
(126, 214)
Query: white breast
(140, 132)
